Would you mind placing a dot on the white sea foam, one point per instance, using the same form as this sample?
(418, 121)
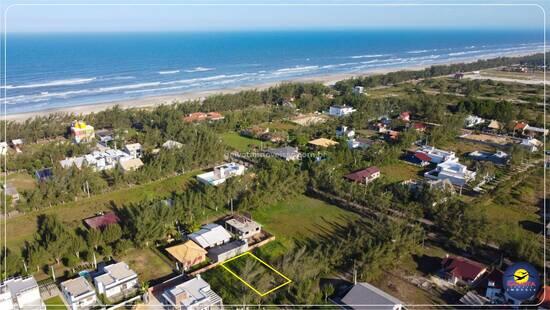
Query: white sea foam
(368, 56)
(417, 52)
(52, 83)
(297, 69)
(199, 69)
(169, 72)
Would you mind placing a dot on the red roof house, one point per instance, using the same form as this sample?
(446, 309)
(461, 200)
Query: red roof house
(405, 116)
(215, 116)
(543, 297)
(460, 269)
(520, 126)
(364, 176)
(201, 116)
(102, 221)
(419, 126)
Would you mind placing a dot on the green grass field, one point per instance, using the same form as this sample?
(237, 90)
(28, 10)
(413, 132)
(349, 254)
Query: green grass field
(21, 181)
(238, 142)
(298, 219)
(55, 303)
(22, 228)
(147, 264)
(400, 172)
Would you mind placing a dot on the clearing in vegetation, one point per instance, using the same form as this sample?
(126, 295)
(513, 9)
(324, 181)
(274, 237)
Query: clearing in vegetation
(255, 273)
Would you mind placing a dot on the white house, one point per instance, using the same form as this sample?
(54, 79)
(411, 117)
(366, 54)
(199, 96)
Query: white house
(358, 90)
(453, 171)
(78, 293)
(340, 110)
(192, 294)
(3, 148)
(117, 280)
(531, 144)
(20, 293)
(472, 121)
(134, 149)
(243, 227)
(171, 144)
(221, 173)
(359, 143)
(210, 235)
(437, 156)
(345, 131)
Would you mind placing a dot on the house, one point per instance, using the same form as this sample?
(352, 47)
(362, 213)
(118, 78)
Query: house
(520, 126)
(458, 75)
(187, 254)
(420, 127)
(195, 117)
(364, 176)
(116, 281)
(201, 116)
(190, 295)
(134, 149)
(225, 251)
(11, 191)
(287, 153)
(497, 158)
(417, 159)
(453, 171)
(392, 135)
(358, 90)
(275, 137)
(17, 144)
(78, 293)
(171, 144)
(533, 131)
(340, 110)
(491, 287)
(82, 132)
(221, 173)
(44, 174)
(543, 298)
(243, 227)
(69, 162)
(104, 136)
(344, 131)
(103, 160)
(20, 293)
(322, 143)
(494, 125)
(210, 235)
(359, 143)
(254, 131)
(3, 148)
(531, 144)
(102, 220)
(366, 296)
(130, 164)
(472, 121)
(457, 269)
(405, 116)
(437, 156)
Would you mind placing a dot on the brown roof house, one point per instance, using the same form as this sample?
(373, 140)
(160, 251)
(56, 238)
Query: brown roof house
(188, 254)
(364, 176)
(101, 221)
(457, 269)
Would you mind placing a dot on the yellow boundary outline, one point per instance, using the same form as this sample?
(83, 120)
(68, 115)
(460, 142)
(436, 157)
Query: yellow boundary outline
(288, 281)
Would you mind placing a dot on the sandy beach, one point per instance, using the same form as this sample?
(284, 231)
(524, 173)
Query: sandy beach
(153, 101)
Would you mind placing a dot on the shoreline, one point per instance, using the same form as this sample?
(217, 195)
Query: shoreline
(154, 101)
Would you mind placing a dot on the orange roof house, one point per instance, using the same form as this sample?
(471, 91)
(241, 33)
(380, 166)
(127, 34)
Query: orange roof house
(188, 253)
(201, 116)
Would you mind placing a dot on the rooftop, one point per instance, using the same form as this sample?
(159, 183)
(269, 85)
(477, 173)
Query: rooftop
(187, 251)
(77, 287)
(364, 294)
(192, 292)
(462, 267)
(209, 235)
(242, 224)
(116, 273)
(361, 175)
(102, 221)
(323, 142)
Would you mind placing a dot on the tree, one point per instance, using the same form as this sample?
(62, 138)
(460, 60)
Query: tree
(111, 233)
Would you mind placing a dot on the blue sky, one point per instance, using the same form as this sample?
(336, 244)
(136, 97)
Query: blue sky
(123, 18)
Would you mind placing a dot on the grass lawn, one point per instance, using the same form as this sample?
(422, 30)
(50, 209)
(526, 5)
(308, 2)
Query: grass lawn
(238, 142)
(400, 171)
(147, 264)
(21, 181)
(298, 219)
(22, 228)
(55, 303)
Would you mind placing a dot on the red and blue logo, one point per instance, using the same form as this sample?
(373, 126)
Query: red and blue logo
(521, 281)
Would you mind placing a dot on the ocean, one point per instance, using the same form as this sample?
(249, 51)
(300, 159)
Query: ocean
(46, 71)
